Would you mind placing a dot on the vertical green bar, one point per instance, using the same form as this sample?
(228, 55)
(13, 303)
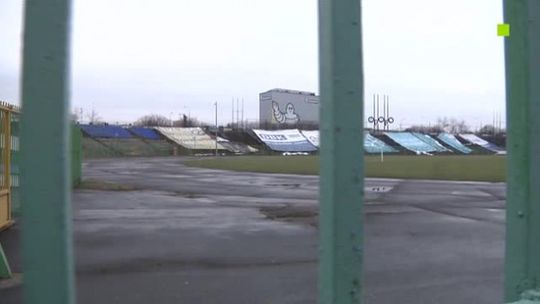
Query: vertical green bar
(522, 269)
(341, 184)
(45, 182)
(76, 155)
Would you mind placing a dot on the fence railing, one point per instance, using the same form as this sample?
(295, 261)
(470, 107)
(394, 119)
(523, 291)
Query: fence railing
(9, 162)
(47, 248)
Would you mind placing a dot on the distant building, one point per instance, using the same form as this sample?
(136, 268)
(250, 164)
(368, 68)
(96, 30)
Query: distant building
(280, 108)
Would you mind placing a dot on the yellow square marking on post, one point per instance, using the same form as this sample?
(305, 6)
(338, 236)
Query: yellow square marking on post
(503, 30)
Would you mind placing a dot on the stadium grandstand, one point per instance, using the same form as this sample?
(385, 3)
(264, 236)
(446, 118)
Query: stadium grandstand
(475, 140)
(411, 142)
(454, 143)
(145, 133)
(114, 141)
(105, 131)
(375, 145)
(432, 142)
(192, 139)
(235, 147)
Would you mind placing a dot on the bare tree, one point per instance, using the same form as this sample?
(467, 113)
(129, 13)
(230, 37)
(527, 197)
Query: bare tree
(187, 122)
(425, 129)
(452, 125)
(487, 129)
(93, 117)
(153, 120)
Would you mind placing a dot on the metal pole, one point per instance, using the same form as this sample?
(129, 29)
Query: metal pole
(374, 115)
(46, 205)
(342, 168)
(384, 112)
(237, 112)
(522, 267)
(377, 117)
(216, 129)
(388, 111)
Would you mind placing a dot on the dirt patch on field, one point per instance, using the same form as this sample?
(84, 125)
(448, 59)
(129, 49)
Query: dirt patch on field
(94, 184)
(297, 214)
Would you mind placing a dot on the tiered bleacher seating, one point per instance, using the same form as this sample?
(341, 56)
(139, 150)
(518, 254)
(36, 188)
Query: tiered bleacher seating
(145, 133)
(241, 136)
(105, 131)
(114, 141)
(454, 143)
(237, 148)
(190, 138)
(475, 140)
(410, 142)
(110, 140)
(375, 145)
(432, 142)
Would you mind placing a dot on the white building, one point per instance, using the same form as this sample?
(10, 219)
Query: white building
(282, 108)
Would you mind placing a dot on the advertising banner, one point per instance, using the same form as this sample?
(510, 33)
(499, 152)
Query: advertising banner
(473, 139)
(312, 137)
(285, 140)
(481, 142)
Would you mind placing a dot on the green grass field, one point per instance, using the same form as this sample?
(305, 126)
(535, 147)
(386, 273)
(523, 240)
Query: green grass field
(462, 168)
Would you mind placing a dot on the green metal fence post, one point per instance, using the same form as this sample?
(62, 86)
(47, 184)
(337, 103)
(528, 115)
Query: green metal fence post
(522, 269)
(76, 155)
(342, 171)
(45, 182)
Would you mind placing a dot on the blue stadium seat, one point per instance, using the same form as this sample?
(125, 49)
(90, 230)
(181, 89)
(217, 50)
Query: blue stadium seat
(453, 142)
(431, 141)
(146, 133)
(103, 131)
(410, 142)
(375, 145)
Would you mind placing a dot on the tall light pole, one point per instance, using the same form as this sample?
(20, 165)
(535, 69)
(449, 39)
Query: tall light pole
(215, 104)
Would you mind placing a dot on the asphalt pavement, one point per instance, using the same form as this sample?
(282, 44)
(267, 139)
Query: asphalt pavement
(189, 235)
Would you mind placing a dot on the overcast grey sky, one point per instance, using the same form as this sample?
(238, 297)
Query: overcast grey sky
(135, 57)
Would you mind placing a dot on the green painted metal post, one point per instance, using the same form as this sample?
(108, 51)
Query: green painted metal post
(45, 181)
(342, 170)
(76, 155)
(523, 177)
(5, 270)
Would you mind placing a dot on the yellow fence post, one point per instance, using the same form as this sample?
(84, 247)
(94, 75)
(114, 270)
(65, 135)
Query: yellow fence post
(5, 193)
